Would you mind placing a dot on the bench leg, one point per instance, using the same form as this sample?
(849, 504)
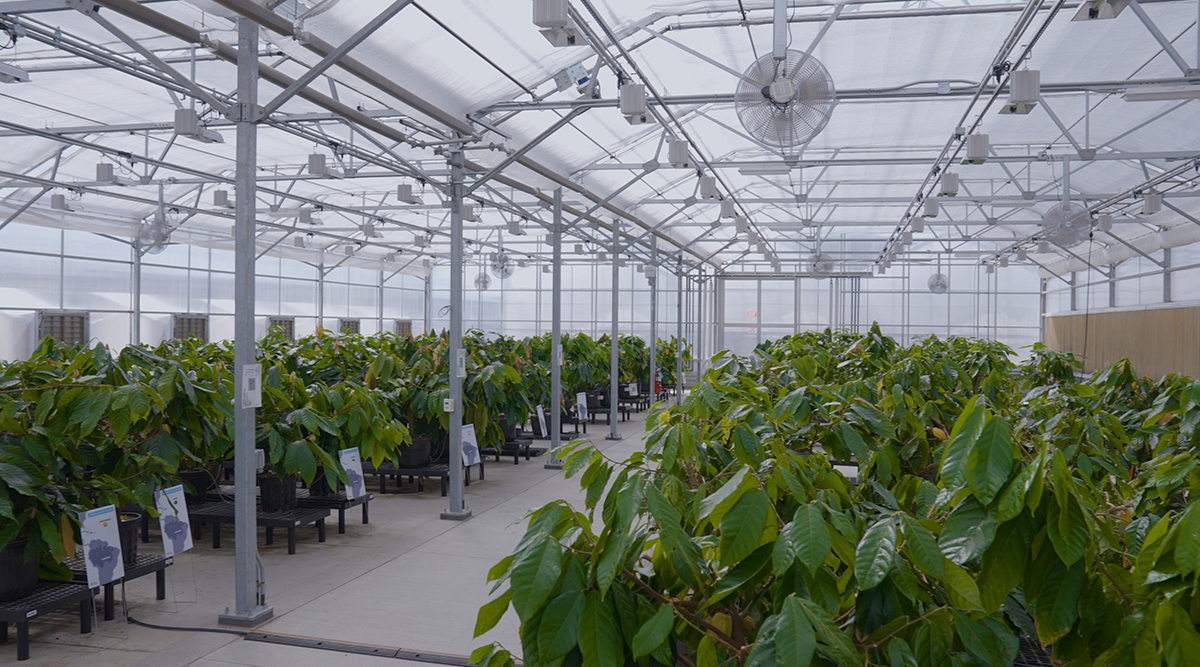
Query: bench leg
(481, 471)
(23, 640)
(160, 584)
(110, 611)
(216, 528)
(3, 632)
(271, 535)
(341, 521)
(145, 528)
(382, 484)
(321, 530)
(85, 616)
(443, 480)
(291, 540)
(366, 518)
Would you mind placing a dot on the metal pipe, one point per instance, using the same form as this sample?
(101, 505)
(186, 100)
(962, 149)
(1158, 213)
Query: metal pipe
(614, 368)
(652, 278)
(679, 336)
(248, 580)
(556, 333)
(455, 352)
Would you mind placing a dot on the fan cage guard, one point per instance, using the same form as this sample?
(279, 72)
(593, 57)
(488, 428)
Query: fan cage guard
(796, 121)
(820, 264)
(938, 283)
(1066, 225)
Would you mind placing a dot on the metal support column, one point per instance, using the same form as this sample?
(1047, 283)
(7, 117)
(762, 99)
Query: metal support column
(321, 295)
(379, 310)
(457, 355)
(679, 335)
(429, 301)
(652, 278)
(1043, 283)
(137, 293)
(250, 582)
(1166, 266)
(614, 367)
(556, 334)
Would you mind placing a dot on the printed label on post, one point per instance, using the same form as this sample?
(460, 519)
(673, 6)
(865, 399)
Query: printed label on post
(101, 546)
(173, 520)
(252, 386)
(462, 362)
(541, 417)
(352, 464)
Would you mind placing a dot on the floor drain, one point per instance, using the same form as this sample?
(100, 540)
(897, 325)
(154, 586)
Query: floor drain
(359, 649)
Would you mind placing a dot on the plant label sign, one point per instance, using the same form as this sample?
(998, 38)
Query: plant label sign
(541, 417)
(173, 520)
(252, 386)
(470, 445)
(461, 366)
(581, 403)
(352, 463)
(633, 389)
(101, 546)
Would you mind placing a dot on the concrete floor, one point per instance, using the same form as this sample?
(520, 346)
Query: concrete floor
(407, 580)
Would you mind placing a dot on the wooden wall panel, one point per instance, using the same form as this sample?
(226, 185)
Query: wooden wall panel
(1157, 341)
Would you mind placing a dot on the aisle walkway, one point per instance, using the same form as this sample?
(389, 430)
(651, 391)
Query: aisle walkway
(407, 580)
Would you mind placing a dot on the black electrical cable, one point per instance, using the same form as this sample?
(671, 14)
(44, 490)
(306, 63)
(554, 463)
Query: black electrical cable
(133, 620)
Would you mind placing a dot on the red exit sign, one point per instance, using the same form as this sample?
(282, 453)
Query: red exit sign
(751, 313)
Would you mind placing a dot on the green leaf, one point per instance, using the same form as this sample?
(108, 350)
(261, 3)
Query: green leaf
(764, 653)
(964, 593)
(1187, 549)
(600, 639)
(979, 639)
(784, 552)
(833, 642)
(1003, 567)
(491, 613)
(1012, 499)
(559, 629)
(742, 528)
(1068, 530)
(654, 632)
(534, 575)
(715, 505)
(924, 548)
(88, 408)
(873, 558)
(966, 431)
(1178, 637)
(795, 641)
(810, 535)
(990, 460)
(967, 531)
(854, 442)
(1057, 603)
(299, 458)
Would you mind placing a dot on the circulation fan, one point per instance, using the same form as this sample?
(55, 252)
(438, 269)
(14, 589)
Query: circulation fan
(1066, 225)
(155, 236)
(820, 264)
(483, 281)
(938, 283)
(785, 102)
(502, 264)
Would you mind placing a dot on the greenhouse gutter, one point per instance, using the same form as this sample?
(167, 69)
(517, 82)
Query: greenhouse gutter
(277, 24)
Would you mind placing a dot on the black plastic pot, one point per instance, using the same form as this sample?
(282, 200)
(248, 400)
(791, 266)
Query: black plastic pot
(128, 528)
(18, 577)
(320, 485)
(415, 455)
(508, 429)
(201, 481)
(277, 495)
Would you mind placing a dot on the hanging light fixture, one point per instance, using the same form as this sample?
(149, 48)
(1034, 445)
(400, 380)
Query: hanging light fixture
(708, 187)
(728, 208)
(917, 225)
(1104, 222)
(977, 149)
(1043, 247)
(949, 184)
(1151, 203)
(931, 208)
(1022, 254)
(1024, 90)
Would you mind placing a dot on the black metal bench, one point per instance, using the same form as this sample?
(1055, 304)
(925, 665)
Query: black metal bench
(438, 470)
(304, 498)
(143, 564)
(514, 448)
(49, 596)
(219, 513)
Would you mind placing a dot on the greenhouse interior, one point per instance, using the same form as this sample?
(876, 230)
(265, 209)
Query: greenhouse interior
(871, 328)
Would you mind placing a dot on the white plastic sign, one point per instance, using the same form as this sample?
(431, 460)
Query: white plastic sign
(633, 389)
(352, 463)
(581, 405)
(470, 446)
(173, 520)
(252, 386)
(101, 546)
(462, 362)
(541, 417)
